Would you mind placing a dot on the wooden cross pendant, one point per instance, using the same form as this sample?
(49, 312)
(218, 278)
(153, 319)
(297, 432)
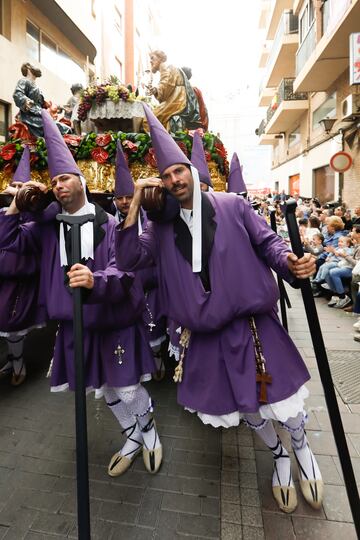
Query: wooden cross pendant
(264, 379)
(119, 351)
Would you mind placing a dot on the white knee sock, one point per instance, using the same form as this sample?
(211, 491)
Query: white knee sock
(265, 430)
(127, 421)
(16, 348)
(139, 404)
(308, 466)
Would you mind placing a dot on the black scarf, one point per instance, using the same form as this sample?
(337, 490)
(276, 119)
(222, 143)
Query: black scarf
(183, 239)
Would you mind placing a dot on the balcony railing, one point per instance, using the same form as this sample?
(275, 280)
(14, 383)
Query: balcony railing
(288, 24)
(305, 49)
(261, 129)
(325, 16)
(285, 92)
(332, 13)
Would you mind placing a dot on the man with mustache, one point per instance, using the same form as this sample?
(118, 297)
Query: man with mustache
(116, 352)
(214, 256)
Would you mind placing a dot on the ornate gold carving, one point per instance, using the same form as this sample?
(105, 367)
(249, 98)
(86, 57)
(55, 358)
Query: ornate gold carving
(142, 170)
(218, 179)
(39, 176)
(100, 177)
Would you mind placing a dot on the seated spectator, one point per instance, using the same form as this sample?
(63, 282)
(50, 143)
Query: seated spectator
(335, 259)
(340, 212)
(313, 227)
(356, 218)
(342, 270)
(323, 215)
(303, 225)
(315, 245)
(348, 220)
(334, 231)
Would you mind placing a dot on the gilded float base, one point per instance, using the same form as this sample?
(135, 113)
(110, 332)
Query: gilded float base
(100, 177)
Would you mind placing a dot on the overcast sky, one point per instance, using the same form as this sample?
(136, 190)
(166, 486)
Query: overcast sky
(220, 41)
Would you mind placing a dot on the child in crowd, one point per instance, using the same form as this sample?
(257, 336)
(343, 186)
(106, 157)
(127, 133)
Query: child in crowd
(315, 245)
(334, 259)
(343, 269)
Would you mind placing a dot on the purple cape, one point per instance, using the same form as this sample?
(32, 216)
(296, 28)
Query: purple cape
(112, 309)
(219, 367)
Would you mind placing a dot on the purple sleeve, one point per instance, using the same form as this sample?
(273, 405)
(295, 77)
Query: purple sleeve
(267, 243)
(23, 239)
(110, 285)
(134, 252)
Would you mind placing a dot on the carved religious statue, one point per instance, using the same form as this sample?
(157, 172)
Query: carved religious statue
(30, 100)
(178, 107)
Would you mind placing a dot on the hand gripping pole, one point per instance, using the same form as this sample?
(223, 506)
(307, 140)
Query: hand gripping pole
(82, 468)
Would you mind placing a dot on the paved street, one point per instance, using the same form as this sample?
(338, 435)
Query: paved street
(213, 483)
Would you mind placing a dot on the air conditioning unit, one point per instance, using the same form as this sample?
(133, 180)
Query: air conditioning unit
(350, 107)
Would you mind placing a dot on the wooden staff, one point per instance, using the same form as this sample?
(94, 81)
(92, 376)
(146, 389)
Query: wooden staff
(282, 290)
(82, 467)
(324, 370)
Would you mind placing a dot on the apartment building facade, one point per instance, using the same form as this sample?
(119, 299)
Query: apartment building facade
(43, 33)
(306, 79)
(72, 41)
(126, 32)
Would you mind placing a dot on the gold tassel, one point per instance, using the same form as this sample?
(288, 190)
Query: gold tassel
(184, 342)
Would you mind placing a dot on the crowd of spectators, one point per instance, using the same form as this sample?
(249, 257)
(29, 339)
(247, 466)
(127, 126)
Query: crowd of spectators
(331, 233)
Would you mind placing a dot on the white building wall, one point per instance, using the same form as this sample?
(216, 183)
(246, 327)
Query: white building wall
(305, 165)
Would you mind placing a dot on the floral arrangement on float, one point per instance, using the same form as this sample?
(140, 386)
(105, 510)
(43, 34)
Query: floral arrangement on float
(97, 93)
(101, 148)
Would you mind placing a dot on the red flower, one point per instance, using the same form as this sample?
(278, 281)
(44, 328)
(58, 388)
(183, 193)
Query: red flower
(8, 151)
(99, 154)
(130, 145)
(73, 140)
(19, 131)
(183, 147)
(207, 155)
(33, 158)
(103, 139)
(150, 158)
(221, 150)
(9, 168)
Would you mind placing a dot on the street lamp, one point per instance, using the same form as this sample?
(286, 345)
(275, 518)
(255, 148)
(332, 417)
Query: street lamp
(327, 123)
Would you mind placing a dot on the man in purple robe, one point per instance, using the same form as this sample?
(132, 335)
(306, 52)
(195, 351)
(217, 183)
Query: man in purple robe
(19, 284)
(215, 259)
(117, 356)
(152, 314)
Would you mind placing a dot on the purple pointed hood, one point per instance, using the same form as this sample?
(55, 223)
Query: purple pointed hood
(198, 159)
(166, 150)
(236, 182)
(22, 173)
(124, 184)
(60, 159)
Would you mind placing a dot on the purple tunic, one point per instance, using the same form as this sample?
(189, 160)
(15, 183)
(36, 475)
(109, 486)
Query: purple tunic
(112, 309)
(153, 312)
(19, 287)
(219, 367)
